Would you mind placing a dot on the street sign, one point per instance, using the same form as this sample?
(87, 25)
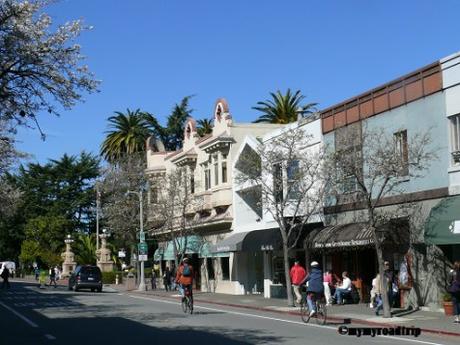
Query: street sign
(143, 257)
(121, 254)
(142, 236)
(142, 248)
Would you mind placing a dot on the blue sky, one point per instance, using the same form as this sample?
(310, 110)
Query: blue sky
(149, 54)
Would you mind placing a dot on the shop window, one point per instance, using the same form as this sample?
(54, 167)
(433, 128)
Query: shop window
(216, 172)
(210, 268)
(224, 172)
(401, 151)
(207, 177)
(225, 267)
(278, 181)
(153, 195)
(293, 176)
(455, 138)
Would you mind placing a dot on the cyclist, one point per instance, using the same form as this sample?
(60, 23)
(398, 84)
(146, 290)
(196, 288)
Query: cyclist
(184, 278)
(315, 287)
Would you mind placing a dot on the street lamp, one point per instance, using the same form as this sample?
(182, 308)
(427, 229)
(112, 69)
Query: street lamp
(141, 235)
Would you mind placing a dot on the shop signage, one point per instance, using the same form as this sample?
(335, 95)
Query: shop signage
(266, 247)
(143, 257)
(350, 243)
(222, 249)
(455, 227)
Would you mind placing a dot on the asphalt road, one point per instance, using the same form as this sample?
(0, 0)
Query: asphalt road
(29, 315)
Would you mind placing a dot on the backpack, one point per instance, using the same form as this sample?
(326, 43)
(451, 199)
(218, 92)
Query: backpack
(186, 271)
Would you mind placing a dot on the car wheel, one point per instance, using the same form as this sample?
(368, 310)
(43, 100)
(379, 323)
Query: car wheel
(99, 289)
(70, 288)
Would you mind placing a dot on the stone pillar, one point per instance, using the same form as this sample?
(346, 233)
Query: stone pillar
(104, 261)
(69, 258)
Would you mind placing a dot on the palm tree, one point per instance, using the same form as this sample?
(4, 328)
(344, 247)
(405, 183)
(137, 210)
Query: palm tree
(172, 135)
(128, 135)
(204, 126)
(85, 249)
(283, 109)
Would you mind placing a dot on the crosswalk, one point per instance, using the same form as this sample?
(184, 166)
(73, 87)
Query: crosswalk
(34, 299)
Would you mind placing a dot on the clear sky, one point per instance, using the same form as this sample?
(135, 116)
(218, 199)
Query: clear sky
(151, 53)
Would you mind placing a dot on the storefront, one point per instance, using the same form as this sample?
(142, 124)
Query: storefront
(350, 247)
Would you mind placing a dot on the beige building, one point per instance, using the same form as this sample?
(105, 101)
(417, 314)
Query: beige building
(208, 162)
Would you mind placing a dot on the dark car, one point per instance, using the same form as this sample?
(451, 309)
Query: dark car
(86, 277)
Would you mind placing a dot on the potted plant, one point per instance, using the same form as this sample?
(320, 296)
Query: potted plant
(448, 305)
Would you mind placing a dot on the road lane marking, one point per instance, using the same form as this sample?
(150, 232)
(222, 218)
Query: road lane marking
(50, 337)
(281, 320)
(31, 323)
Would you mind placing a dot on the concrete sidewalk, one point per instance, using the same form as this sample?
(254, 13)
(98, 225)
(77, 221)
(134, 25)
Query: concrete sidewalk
(429, 322)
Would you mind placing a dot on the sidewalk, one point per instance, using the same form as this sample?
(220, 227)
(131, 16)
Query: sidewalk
(429, 322)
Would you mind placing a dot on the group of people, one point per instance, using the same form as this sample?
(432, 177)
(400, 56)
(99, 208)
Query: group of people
(319, 284)
(54, 274)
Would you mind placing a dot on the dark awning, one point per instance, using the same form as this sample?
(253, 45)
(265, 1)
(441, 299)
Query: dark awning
(443, 224)
(347, 235)
(250, 241)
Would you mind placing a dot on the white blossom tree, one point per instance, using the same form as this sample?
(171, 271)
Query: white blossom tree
(285, 173)
(40, 64)
(370, 165)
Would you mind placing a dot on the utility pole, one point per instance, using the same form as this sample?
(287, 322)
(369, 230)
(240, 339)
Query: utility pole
(142, 248)
(98, 205)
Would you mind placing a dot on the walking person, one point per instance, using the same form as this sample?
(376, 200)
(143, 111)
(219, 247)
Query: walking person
(328, 283)
(154, 279)
(297, 274)
(377, 294)
(167, 279)
(37, 272)
(52, 274)
(454, 290)
(5, 275)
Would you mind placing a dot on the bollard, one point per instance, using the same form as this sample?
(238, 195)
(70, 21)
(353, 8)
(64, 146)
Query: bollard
(116, 279)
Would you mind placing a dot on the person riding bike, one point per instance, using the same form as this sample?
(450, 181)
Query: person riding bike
(315, 287)
(184, 277)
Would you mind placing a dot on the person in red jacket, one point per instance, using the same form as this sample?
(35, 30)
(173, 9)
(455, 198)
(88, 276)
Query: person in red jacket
(184, 277)
(297, 274)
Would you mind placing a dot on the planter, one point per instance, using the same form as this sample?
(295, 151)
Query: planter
(448, 308)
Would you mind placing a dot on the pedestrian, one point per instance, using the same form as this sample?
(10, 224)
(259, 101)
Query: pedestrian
(173, 278)
(5, 275)
(37, 272)
(52, 273)
(154, 279)
(391, 288)
(167, 279)
(454, 290)
(377, 294)
(328, 284)
(344, 289)
(297, 275)
(58, 273)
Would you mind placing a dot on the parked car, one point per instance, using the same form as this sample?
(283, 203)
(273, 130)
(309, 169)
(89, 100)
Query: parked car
(86, 277)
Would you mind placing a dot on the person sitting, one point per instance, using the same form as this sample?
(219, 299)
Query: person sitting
(344, 289)
(315, 287)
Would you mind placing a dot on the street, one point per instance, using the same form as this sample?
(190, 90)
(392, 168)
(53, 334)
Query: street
(29, 315)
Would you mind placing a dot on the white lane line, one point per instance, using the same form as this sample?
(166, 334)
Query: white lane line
(50, 337)
(31, 323)
(281, 320)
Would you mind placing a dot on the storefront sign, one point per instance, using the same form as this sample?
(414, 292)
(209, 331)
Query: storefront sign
(266, 247)
(222, 249)
(455, 227)
(350, 243)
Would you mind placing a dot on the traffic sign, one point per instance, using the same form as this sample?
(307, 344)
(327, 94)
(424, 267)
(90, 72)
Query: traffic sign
(142, 248)
(143, 257)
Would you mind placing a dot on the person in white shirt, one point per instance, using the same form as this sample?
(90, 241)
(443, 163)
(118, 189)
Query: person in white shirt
(343, 289)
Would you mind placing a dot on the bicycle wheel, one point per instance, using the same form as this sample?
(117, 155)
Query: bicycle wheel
(304, 312)
(184, 304)
(321, 313)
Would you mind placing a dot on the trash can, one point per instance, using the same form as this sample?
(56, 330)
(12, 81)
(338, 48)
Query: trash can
(130, 282)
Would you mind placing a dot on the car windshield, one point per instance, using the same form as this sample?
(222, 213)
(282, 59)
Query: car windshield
(90, 270)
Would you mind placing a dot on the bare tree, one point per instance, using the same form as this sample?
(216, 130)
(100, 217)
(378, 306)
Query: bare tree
(369, 165)
(121, 211)
(285, 174)
(175, 208)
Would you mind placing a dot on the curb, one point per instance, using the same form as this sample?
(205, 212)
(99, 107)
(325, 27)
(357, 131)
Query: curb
(296, 313)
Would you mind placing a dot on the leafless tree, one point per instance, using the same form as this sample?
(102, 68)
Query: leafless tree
(286, 175)
(175, 208)
(370, 165)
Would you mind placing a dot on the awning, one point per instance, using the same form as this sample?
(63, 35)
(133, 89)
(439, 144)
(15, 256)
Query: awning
(193, 246)
(348, 235)
(250, 241)
(443, 224)
(394, 233)
(206, 251)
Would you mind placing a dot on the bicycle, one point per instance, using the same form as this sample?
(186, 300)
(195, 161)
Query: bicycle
(321, 310)
(187, 300)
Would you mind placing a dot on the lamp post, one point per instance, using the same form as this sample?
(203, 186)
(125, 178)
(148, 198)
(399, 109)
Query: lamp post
(141, 235)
